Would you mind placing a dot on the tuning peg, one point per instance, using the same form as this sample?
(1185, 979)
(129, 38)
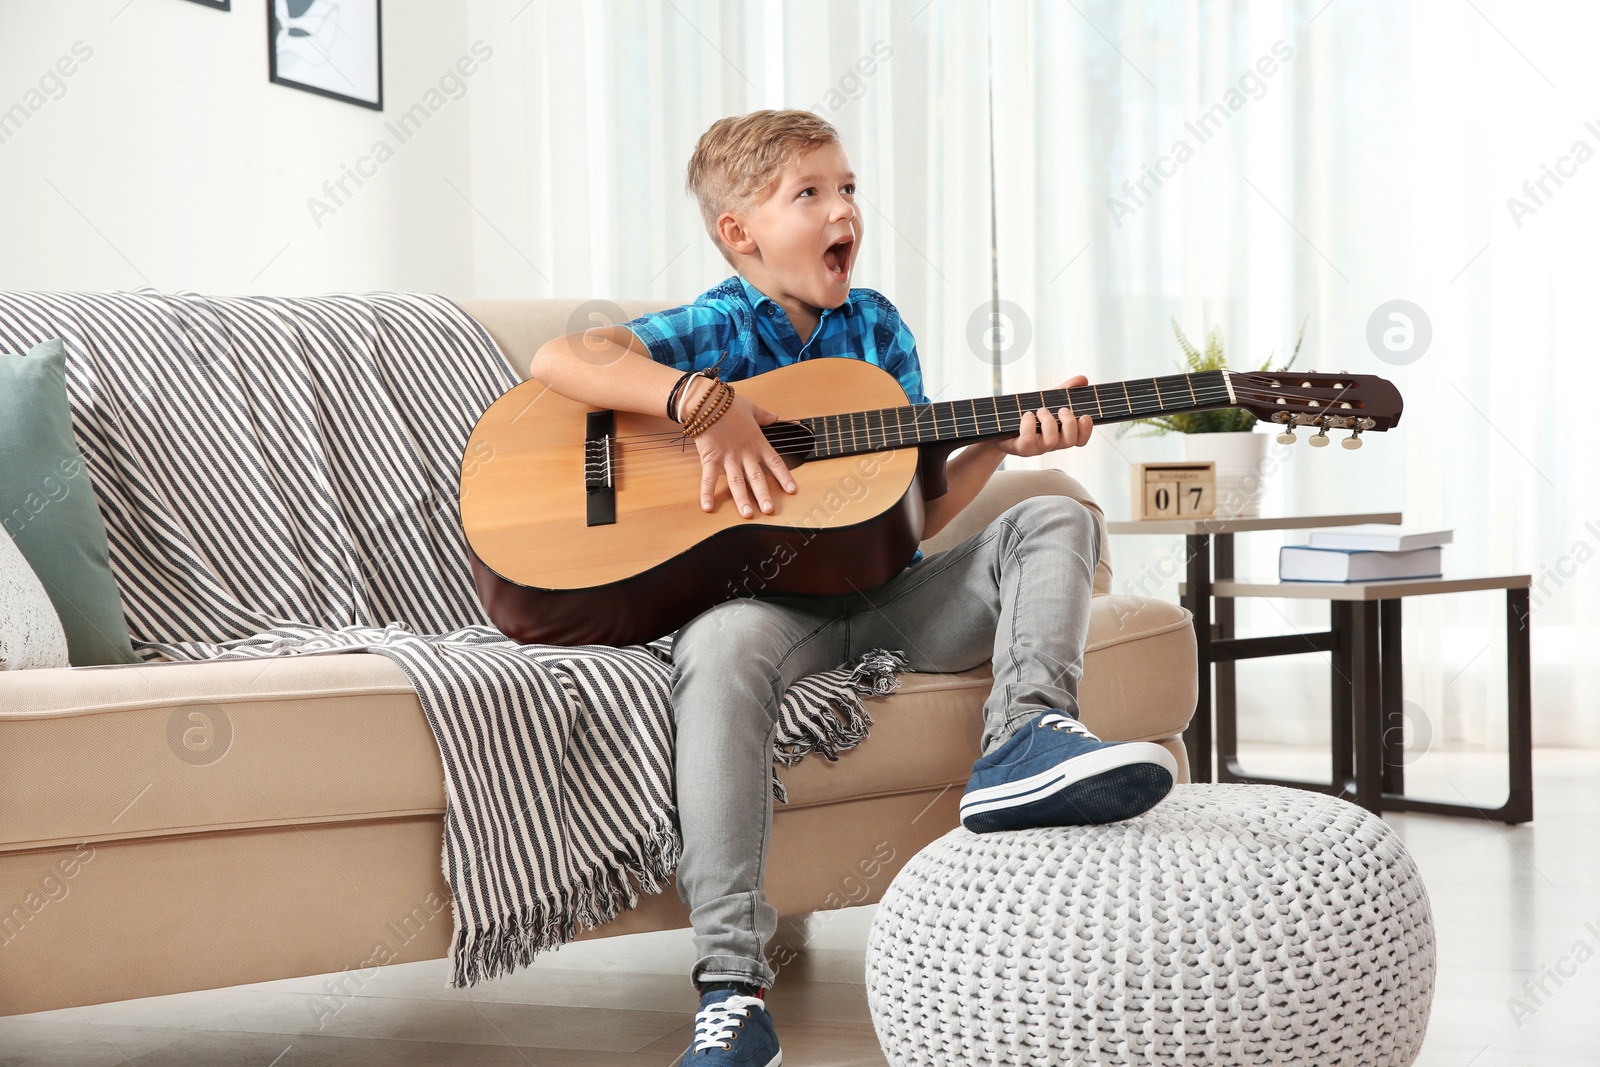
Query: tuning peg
(1353, 442)
(1320, 438)
(1287, 436)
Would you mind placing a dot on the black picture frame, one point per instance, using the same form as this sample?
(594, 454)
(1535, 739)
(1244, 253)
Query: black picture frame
(350, 31)
(220, 5)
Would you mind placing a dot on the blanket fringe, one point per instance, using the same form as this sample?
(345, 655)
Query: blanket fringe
(875, 674)
(499, 948)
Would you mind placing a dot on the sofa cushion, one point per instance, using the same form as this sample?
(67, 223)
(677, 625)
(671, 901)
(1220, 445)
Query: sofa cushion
(233, 744)
(48, 505)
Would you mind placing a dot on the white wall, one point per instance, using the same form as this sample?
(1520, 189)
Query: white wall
(168, 159)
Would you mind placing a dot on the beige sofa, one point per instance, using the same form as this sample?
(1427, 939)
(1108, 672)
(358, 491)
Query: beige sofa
(127, 871)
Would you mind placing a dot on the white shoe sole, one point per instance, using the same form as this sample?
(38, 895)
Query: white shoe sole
(1078, 769)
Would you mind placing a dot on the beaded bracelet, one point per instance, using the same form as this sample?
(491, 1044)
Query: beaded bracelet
(700, 419)
(723, 402)
(716, 413)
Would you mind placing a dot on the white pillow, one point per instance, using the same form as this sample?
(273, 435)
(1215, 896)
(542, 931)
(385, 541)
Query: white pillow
(30, 630)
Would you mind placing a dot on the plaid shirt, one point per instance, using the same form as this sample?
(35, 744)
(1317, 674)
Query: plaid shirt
(754, 331)
(751, 334)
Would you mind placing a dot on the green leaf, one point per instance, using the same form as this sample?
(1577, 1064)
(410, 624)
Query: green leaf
(1213, 358)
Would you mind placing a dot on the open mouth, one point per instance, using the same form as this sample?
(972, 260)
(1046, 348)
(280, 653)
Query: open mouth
(837, 257)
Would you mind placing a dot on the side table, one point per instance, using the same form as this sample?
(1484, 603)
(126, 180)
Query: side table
(1206, 540)
(1367, 666)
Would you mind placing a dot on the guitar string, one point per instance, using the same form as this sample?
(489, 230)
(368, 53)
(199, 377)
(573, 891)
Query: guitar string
(1220, 394)
(676, 445)
(671, 441)
(955, 418)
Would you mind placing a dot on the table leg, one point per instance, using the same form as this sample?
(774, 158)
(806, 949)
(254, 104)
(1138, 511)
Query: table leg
(1225, 704)
(1519, 711)
(1368, 706)
(1518, 807)
(1341, 620)
(1394, 697)
(1197, 598)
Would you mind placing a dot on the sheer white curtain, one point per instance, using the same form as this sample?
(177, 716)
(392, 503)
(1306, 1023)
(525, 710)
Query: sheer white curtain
(1355, 153)
(1374, 162)
(580, 147)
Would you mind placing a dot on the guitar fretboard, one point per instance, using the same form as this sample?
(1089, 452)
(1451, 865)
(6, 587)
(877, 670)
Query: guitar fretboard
(1001, 416)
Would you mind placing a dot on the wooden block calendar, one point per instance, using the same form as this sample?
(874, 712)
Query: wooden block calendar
(1175, 490)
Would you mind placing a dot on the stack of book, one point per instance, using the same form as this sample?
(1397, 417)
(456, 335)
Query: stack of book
(1365, 554)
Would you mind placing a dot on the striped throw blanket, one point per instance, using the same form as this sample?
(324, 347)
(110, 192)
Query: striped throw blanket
(278, 477)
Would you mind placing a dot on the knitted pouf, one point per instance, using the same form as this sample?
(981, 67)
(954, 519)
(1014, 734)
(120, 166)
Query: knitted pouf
(1229, 925)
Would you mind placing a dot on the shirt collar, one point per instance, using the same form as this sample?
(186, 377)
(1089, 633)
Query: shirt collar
(757, 298)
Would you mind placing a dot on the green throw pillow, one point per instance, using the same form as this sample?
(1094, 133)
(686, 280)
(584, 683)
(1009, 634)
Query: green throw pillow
(48, 506)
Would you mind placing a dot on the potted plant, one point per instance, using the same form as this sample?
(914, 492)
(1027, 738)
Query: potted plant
(1226, 436)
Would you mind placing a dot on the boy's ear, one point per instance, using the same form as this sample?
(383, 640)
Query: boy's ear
(731, 229)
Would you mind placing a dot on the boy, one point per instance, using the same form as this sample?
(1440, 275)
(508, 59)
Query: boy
(778, 198)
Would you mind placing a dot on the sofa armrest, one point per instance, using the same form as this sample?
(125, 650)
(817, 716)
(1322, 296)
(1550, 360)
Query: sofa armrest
(1007, 488)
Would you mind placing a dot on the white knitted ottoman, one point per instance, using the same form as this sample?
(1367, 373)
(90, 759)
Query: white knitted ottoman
(1229, 925)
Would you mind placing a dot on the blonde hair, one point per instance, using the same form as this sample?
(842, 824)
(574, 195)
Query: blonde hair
(737, 160)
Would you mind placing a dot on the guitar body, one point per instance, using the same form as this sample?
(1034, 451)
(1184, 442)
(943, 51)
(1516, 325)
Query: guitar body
(548, 573)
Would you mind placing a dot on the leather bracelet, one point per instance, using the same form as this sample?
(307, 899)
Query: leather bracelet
(672, 397)
(687, 419)
(723, 403)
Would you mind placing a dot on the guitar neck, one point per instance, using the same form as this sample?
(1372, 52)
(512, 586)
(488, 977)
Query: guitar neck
(955, 421)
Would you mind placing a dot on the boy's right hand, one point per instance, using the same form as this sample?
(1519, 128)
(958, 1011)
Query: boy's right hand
(735, 447)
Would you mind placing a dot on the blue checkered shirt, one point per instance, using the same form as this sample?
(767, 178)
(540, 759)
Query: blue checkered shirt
(751, 334)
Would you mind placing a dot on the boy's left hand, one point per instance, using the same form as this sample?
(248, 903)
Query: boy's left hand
(1043, 432)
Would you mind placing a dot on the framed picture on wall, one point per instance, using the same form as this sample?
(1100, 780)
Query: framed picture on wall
(332, 47)
(220, 5)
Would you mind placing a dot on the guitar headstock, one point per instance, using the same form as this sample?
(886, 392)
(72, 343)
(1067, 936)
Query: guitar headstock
(1354, 402)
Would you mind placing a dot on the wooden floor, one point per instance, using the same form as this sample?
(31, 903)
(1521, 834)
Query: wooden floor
(1511, 905)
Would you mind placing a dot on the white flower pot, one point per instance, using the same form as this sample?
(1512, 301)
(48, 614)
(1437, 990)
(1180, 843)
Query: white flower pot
(1241, 459)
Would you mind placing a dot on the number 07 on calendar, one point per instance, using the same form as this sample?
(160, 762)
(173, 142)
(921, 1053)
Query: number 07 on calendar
(1175, 490)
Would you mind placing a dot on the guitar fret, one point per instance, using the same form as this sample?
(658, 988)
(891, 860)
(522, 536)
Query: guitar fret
(1139, 397)
(1113, 412)
(1172, 390)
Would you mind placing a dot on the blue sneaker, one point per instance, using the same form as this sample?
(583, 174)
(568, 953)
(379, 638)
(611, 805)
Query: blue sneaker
(1054, 772)
(732, 1030)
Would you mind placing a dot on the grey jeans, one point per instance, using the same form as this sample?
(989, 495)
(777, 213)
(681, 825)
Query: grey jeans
(1016, 592)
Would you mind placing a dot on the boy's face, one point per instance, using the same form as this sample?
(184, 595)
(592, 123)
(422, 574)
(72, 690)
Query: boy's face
(805, 235)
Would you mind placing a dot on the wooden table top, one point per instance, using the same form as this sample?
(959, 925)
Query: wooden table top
(1232, 526)
(1390, 589)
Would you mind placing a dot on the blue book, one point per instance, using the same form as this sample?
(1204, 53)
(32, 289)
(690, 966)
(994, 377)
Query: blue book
(1303, 563)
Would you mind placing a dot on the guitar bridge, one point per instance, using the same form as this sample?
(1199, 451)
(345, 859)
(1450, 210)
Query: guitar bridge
(599, 445)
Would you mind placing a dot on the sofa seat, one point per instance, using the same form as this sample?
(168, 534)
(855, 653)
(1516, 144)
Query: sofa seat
(249, 764)
(313, 843)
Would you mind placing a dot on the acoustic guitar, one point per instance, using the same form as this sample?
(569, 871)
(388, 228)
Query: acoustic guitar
(585, 525)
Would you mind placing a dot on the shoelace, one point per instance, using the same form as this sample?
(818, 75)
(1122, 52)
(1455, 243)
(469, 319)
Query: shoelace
(1057, 721)
(714, 1026)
